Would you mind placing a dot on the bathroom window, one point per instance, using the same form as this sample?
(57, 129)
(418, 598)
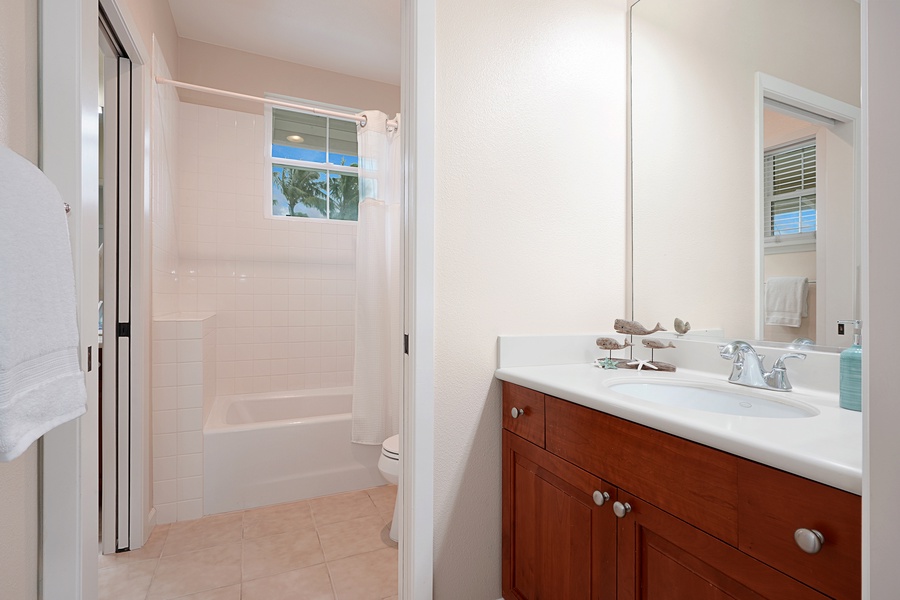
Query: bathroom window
(790, 196)
(313, 163)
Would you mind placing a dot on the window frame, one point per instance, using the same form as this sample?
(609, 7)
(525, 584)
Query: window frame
(328, 168)
(791, 242)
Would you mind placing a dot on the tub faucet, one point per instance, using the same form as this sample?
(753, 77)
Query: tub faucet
(748, 369)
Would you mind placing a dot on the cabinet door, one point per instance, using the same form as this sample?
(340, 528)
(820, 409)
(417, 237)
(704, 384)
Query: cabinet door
(558, 543)
(663, 558)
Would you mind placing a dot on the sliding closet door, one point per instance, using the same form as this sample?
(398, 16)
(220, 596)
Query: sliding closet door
(115, 295)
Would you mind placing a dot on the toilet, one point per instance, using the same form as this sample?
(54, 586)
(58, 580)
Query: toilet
(389, 465)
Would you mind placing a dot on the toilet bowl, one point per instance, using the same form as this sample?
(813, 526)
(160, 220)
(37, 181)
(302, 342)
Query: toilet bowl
(389, 465)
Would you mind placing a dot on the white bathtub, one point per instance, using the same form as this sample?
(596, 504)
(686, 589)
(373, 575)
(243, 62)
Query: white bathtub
(261, 449)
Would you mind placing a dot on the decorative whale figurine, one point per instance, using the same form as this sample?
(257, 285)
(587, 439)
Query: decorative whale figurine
(606, 343)
(657, 344)
(682, 327)
(635, 328)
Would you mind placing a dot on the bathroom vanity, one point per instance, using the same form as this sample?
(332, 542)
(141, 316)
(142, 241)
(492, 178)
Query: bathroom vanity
(598, 506)
(595, 506)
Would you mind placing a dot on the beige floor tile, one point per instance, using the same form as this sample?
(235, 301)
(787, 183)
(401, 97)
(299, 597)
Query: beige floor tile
(152, 549)
(232, 592)
(269, 520)
(356, 536)
(383, 497)
(198, 571)
(126, 581)
(280, 553)
(311, 583)
(342, 507)
(370, 576)
(207, 532)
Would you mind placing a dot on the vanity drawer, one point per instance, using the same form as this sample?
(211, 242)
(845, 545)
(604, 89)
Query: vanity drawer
(774, 504)
(529, 423)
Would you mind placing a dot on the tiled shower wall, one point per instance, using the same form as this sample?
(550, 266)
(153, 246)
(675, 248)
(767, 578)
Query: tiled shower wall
(282, 289)
(165, 162)
(184, 371)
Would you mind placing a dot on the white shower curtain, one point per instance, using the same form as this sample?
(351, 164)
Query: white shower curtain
(377, 365)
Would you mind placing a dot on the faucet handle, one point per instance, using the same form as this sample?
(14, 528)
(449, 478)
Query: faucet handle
(779, 364)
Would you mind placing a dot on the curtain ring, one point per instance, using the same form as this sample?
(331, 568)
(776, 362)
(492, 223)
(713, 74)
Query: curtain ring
(363, 122)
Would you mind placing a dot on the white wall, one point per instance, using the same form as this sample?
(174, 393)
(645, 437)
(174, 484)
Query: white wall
(246, 73)
(18, 130)
(881, 409)
(693, 105)
(529, 231)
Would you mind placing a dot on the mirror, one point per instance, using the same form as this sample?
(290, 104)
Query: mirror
(722, 93)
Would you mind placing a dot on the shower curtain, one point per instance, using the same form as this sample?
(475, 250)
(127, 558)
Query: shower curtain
(377, 364)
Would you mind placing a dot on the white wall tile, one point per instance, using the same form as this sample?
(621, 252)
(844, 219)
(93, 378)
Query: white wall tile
(189, 373)
(164, 444)
(190, 465)
(190, 442)
(165, 468)
(190, 488)
(165, 513)
(165, 421)
(189, 419)
(164, 398)
(189, 396)
(165, 492)
(188, 510)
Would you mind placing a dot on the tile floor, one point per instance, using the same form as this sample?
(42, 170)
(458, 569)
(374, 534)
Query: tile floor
(330, 548)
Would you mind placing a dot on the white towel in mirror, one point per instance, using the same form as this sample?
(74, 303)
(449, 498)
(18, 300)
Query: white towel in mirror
(786, 300)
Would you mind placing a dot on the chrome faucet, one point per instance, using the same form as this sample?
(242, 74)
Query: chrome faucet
(748, 369)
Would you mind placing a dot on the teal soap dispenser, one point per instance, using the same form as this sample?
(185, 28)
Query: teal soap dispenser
(851, 369)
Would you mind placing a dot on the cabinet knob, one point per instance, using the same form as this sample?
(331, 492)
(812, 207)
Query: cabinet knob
(600, 498)
(517, 412)
(621, 509)
(809, 540)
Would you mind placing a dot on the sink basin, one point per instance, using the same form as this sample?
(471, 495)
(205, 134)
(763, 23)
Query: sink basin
(709, 398)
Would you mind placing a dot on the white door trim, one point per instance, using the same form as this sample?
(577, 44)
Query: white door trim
(417, 434)
(69, 155)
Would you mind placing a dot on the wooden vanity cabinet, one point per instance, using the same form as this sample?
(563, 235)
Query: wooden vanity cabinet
(700, 523)
(558, 543)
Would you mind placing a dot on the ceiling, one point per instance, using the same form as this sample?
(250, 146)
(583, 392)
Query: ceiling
(355, 37)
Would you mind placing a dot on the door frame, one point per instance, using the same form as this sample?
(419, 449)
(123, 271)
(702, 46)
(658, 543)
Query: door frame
(814, 103)
(68, 456)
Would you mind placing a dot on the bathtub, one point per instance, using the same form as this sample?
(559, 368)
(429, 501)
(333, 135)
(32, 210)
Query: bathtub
(261, 449)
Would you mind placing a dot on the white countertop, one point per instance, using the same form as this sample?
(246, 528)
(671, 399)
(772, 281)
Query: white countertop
(826, 447)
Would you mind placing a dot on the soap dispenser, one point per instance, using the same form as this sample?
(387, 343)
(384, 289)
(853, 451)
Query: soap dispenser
(851, 369)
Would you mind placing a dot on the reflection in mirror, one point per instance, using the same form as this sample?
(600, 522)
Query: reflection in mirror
(699, 206)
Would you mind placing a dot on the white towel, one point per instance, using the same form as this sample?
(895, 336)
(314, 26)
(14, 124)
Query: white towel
(786, 300)
(41, 383)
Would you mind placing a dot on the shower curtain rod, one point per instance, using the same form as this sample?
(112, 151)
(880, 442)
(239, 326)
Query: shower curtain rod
(310, 109)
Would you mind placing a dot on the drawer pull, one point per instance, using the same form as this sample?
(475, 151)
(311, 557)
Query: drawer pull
(517, 412)
(600, 498)
(621, 509)
(809, 540)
